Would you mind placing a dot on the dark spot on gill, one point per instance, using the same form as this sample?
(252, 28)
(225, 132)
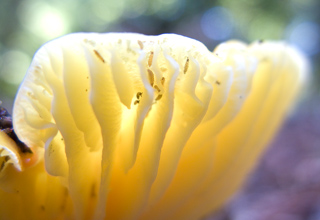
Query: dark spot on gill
(151, 77)
(159, 97)
(186, 66)
(99, 55)
(140, 44)
(139, 95)
(157, 88)
(163, 81)
(150, 59)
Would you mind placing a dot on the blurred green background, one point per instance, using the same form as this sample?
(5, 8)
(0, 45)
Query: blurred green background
(27, 24)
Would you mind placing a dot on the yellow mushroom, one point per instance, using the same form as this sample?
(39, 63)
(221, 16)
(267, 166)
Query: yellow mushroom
(102, 150)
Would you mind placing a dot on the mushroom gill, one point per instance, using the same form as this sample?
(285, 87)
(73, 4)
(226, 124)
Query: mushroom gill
(128, 126)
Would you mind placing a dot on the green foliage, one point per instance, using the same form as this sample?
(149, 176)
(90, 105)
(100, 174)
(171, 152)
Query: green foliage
(26, 25)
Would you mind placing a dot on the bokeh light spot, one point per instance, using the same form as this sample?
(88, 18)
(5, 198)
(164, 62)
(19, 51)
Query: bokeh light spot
(168, 10)
(266, 26)
(306, 36)
(108, 11)
(217, 23)
(42, 19)
(135, 8)
(13, 65)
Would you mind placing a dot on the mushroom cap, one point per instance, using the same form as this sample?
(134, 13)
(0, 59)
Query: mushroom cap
(152, 127)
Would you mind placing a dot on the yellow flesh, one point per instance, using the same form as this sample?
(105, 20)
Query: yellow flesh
(127, 126)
